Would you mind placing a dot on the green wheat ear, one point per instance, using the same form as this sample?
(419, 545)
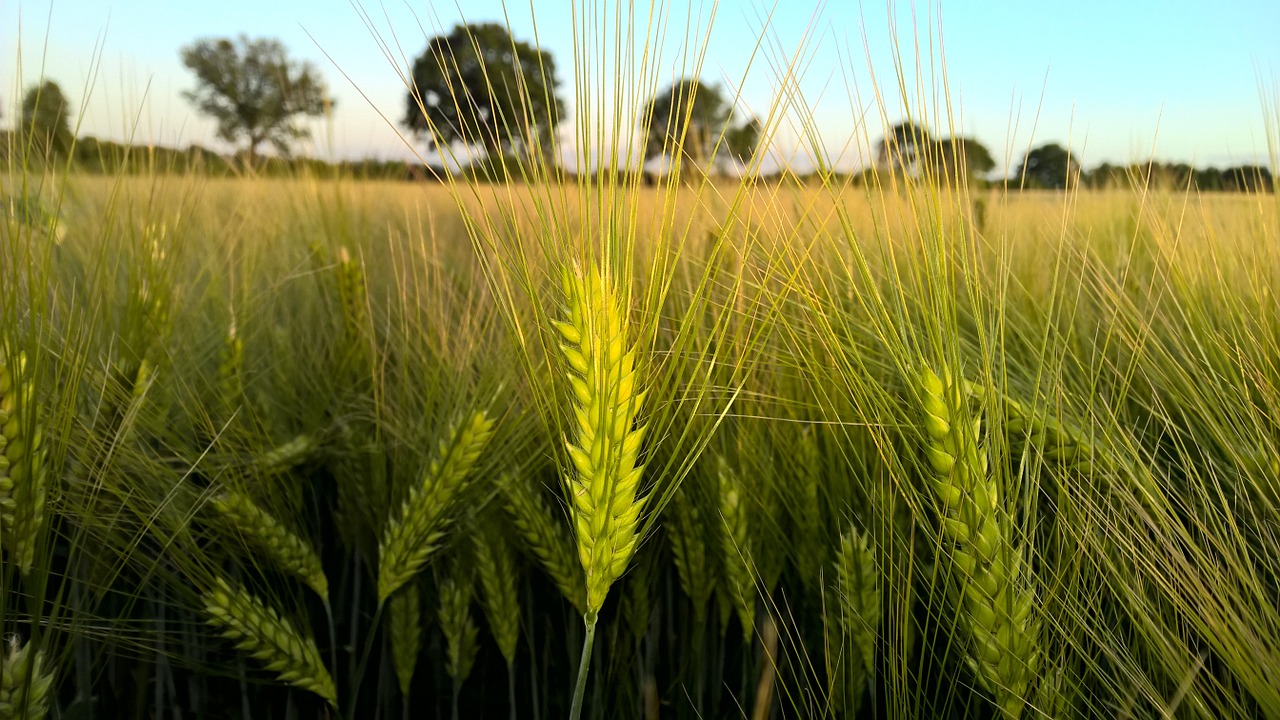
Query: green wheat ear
(290, 552)
(605, 439)
(23, 477)
(25, 682)
(415, 533)
(260, 631)
(994, 591)
(404, 617)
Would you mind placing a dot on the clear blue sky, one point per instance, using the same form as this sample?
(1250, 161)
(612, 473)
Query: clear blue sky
(1114, 80)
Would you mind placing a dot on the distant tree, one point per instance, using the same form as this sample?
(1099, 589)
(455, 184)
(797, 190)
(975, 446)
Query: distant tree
(902, 147)
(254, 92)
(961, 159)
(46, 120)
(479, 86)
(742, 140)
(1248, 178)
(1209, 179)
(1049, 166)
(689, 119)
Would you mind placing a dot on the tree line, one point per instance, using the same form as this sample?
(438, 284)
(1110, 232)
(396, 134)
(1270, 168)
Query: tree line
(492, 103)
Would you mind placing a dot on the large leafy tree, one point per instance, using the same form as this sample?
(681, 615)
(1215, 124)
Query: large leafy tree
(689, 119)
(1049, 166)
(479, 86)
(903, 147)
(960, 159)
(46, 120)
(254, 91)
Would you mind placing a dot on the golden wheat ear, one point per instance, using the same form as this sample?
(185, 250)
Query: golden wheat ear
(605, 439)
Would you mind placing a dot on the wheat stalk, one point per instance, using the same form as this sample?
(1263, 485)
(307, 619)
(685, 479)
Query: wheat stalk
(546, 540)
(290, 552)
(23, 476)
(497, 570)
(25, 683)
(415, 533)
(994, 592)
(404, 618)
(260, 631)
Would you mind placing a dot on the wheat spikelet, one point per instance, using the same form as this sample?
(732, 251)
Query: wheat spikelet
(735, 545)
(415, 533)
(604, 443)
(288, 455)
(857, 602)
(546, 540)
(993, 593)
(231, 367)
(460, 631)
(497, 570)
(689, 550)
(288, 551)
(25, 683)
(404, 618)
(811, 548)
(259, 631)
(23, 476)
(1061, 443)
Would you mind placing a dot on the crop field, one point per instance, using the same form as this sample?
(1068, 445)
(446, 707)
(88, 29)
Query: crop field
(328, 448)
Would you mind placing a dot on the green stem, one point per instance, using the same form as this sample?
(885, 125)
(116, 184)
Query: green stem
(364, 659)
(511, 688)
(575, 711)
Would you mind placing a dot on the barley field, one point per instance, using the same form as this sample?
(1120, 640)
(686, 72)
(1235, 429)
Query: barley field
(308, 448)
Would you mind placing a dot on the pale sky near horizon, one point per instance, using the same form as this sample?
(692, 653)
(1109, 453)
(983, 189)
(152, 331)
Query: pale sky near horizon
(1115, 81)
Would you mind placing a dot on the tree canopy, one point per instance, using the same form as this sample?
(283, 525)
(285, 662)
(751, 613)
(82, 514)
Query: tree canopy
(689, 119)
(46, 120)
(479, 86)
(902, 147)
(1049, 166)
(960, 159)
(254, 91)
